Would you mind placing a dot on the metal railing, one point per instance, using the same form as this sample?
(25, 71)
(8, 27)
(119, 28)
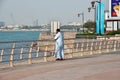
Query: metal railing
(15, 53)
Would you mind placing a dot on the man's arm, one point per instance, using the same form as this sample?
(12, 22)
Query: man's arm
(56, 37)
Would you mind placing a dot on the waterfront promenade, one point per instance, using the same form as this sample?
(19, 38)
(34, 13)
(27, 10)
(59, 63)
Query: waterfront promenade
(93, 67)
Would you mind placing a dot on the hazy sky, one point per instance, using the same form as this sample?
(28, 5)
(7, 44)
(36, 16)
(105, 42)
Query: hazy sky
(25, 12)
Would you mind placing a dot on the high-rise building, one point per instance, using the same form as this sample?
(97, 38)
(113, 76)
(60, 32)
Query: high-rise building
(54, 25)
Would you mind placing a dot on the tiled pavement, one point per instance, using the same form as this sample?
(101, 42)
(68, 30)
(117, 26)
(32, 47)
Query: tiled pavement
(97, 67)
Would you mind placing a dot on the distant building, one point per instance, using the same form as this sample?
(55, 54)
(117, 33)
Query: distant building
(74, 23)
(54, 25)
(2, 24)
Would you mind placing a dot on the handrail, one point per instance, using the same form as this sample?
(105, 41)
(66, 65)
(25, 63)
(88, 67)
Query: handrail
(14, 53)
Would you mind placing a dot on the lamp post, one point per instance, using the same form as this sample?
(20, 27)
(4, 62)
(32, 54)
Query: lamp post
(94, 7)
(82, 19)
(89, 10)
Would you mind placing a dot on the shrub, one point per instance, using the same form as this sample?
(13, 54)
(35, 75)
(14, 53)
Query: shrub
(114, 32)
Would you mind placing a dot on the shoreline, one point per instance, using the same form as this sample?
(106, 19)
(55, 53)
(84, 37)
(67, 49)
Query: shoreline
(27, 30)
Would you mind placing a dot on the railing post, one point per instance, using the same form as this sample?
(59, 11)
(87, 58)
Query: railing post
(87, 46)
(100, 47)
(53, 51)
(72, 51)
(112, 46)
(37, 51)
(115, 43)
(118, 45)
(91, 49)
(82, 49)
(108, 45)
(96, 46)
(12, 56)
(104, 46)
(30, 54)
(77, 47)
(1, 55)
(45, 54)
(21, 52)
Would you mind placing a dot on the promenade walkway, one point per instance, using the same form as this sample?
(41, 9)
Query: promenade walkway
(95, 67)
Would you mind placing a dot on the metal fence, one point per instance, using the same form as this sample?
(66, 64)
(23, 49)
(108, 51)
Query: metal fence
(15, 53)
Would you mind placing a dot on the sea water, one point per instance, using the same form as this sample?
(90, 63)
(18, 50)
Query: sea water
(19, 35)
(8, 36)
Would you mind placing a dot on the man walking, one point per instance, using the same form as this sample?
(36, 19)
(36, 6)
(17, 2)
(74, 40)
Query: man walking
(59, 48)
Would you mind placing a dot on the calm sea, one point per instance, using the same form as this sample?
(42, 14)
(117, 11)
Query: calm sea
(19, 35)
(7, 36)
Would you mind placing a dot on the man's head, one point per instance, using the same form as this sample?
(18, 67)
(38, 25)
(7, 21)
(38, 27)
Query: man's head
(57, 30)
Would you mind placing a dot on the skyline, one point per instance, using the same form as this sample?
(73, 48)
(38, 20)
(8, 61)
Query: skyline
(26, 12)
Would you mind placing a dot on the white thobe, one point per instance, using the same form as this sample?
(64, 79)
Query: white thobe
(59, 50)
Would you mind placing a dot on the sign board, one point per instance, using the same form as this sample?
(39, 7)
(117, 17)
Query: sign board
(100, 18)
(114, 8)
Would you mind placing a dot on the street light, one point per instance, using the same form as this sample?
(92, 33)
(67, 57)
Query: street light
(82, 19)
(89, 10)
(93, 3)
(94, 7)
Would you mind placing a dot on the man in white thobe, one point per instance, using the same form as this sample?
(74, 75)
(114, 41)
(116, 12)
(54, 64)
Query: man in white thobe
(59, 48)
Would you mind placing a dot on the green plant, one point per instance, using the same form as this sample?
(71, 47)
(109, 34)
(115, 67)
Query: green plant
(113, 32)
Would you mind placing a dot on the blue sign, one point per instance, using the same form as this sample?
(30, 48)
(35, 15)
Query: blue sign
(100, 18)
